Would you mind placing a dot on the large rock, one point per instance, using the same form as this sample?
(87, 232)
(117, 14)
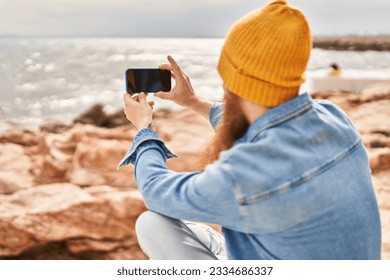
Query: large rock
(385, 218)
(14, 169)
(51, 158)
(372, 117)
(374, 92)
(76, 156)
(345, 100)
(379, 159)
(376, 140)
(80, 131)
(90, 220)
(95, 162)
(97, 116)
(78, 245)
(22, 137)
(381, 182)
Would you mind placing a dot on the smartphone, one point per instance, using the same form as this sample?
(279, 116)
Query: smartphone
(147, 80)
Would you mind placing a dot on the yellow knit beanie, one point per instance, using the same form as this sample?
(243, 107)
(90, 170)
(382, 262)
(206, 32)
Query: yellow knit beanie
(265, 54)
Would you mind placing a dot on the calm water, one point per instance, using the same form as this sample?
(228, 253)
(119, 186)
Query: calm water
(57, 78)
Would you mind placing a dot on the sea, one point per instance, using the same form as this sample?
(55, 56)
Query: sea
(55, 79)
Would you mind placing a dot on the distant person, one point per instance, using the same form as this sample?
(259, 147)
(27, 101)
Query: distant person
(336, 71)
(286, 176)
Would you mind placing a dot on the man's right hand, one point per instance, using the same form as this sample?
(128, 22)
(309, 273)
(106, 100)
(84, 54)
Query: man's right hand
(182, 93)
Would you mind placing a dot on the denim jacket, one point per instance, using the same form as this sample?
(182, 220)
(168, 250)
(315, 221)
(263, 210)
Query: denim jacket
(297, 185)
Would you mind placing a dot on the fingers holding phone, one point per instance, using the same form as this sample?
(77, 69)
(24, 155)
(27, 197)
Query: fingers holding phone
(182, 93)
(159, 82)
(136, 98)
(138, 110)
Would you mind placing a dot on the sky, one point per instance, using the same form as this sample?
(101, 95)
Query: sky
(178, 18)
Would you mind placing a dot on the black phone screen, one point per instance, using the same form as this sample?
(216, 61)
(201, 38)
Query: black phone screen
(147, 80)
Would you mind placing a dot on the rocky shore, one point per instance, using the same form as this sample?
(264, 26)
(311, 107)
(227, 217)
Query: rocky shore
(62, 197)
(353, 43)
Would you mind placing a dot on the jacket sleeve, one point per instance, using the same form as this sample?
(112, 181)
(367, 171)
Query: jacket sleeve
(207, 196)
(215, 114)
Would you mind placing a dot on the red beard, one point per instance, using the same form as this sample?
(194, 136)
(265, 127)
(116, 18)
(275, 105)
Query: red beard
(232, 127)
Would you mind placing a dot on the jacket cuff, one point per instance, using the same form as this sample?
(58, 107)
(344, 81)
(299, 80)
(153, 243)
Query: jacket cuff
(142, 136)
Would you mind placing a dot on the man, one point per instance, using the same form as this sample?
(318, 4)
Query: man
(286, 177)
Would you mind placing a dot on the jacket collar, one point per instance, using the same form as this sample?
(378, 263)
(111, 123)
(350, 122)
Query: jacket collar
(279, 114)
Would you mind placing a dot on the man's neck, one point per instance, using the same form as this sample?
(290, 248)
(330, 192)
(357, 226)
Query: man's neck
(252, 111)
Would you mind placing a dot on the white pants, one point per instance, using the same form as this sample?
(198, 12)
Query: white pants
(164, 238)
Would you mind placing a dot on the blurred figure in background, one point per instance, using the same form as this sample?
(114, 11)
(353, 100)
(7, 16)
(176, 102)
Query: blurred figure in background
(336, 71)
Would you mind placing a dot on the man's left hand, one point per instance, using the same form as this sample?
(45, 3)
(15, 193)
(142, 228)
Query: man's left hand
(138, 111)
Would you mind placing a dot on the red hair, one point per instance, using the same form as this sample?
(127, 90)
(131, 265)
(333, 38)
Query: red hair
(231, 127)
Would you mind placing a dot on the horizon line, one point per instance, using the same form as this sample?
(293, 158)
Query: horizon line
(178, 37)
